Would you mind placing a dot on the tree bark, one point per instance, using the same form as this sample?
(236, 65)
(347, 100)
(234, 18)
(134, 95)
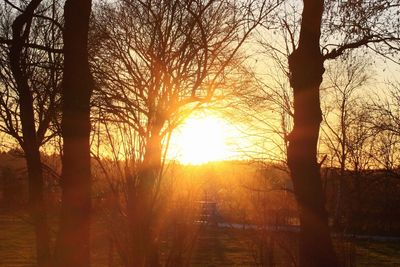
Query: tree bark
(37, 206)
(72, 246)
(306, 68)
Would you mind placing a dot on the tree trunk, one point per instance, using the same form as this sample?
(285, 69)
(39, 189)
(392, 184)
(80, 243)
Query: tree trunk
(37, 206)
(72, 246)
(306, 67)
(141, 206)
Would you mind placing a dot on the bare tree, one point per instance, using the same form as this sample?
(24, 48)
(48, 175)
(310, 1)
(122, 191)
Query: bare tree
(386, 122)
(29, 86)
(344, 25)
(387, 110)
(344, 80)
(155, 64)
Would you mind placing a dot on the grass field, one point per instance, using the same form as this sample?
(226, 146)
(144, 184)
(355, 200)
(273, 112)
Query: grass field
(214, 247)
(375, 253)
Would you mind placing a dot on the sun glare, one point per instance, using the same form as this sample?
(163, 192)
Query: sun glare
(203, 139)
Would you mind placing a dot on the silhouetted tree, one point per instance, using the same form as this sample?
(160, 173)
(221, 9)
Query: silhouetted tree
(386, 111)
(344, 80)
(29, 87)
(344, 25)
(72, 245)
(385, 120)
(306, 69)
(155, 63)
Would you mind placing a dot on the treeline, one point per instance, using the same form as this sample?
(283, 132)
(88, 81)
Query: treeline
(244, 192)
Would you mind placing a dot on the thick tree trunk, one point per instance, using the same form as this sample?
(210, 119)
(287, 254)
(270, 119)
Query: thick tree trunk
(306, 67)
(141, 204)
(37, 206)
(72, 246)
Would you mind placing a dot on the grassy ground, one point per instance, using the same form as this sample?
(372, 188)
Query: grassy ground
(385, 254)
(16, 239)
(222, 247)
(214, 247)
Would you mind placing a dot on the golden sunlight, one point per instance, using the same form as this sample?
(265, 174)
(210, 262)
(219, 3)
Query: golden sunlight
(203, 139)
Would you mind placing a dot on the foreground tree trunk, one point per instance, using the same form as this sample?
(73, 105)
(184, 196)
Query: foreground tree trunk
(30, 145)
(72, 246)
(306, 68)
(141, 212)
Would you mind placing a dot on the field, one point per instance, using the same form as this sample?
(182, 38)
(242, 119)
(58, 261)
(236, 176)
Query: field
(214, 247)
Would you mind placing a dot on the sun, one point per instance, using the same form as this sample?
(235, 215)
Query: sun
(203, 139)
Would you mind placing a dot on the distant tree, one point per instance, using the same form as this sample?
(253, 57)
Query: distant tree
(29, 77)
(372, 165)
(387, 153)
(72, 244)
(341, 105)
(387, 111)
(385, 119)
